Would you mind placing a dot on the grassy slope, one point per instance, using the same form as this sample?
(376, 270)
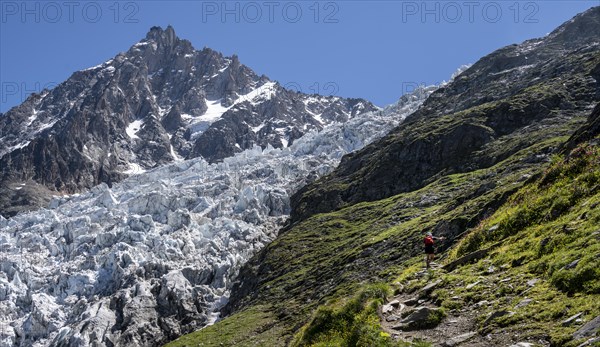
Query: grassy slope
(256, 326)
(329, 257)
(546, 249)
(542, 229)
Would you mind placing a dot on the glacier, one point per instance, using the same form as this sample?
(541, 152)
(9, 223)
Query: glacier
(154, 256)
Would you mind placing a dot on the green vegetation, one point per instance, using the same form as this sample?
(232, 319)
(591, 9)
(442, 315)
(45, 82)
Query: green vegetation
(433, 142)
(542, 244)
(257, 326)
(330, 257)
(546, 267)
(354, 324)
(530, 209)
(539, 220)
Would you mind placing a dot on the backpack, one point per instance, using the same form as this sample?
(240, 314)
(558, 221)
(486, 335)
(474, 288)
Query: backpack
(428, 241)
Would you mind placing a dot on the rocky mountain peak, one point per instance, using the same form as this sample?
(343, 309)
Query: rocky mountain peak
(159, 102)
(166, 37)
(162, 49)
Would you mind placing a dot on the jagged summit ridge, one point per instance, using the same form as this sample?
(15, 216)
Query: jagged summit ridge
(159, 102)
(167, 35)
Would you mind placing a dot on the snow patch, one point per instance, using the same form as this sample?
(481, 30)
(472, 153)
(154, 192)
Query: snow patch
(264, 92)
(215, 109)
(15, 147)
(32, 118)
(133, 128)
(256, 129)
(45, 126)
(174, 154)
(314, 102)
(519, 69)
(134, 169)
(529, 46)
(99, 66)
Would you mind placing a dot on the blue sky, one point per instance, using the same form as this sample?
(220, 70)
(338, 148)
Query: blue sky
(376, 50)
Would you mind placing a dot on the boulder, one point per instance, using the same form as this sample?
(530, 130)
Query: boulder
(470, 286)
(411, 301)
(588, 330)
(572, 264)
(392, 318)
(418, 318)
(394, 303)
(482, 303)
(456, 340)
(524, 303)
(387, 309)
(428, 288)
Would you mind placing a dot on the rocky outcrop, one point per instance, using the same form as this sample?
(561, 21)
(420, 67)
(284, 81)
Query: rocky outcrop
(590, 329)
(416, 319)
(586, 133)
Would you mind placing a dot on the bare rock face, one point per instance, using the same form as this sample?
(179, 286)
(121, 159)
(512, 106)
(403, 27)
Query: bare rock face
(159, 102)
(586, 133)
(590, 329)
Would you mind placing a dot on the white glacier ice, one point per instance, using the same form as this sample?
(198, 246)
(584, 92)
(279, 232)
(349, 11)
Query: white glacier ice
(154, 256)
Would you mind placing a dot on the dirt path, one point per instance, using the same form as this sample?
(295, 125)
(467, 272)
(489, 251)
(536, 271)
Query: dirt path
(457, 329)
(404, 315)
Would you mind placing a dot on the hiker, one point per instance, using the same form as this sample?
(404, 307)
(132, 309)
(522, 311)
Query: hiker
(430, 248)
